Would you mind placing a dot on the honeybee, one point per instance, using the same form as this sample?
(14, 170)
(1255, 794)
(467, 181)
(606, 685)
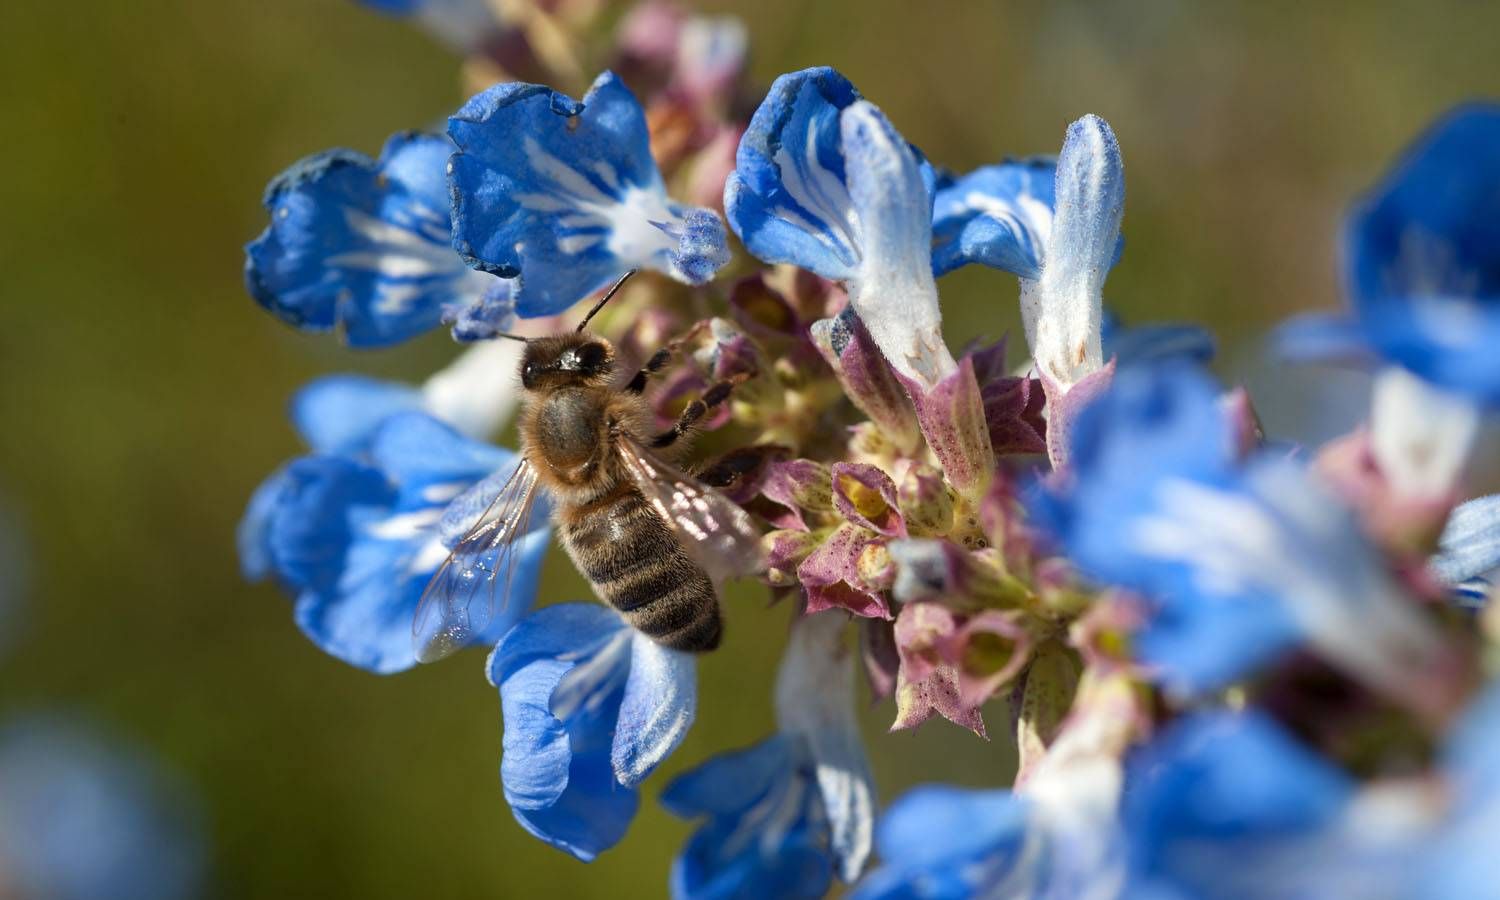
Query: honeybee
(651, 539)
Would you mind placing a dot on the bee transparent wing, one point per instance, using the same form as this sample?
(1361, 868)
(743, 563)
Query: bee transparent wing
(472, 585)
(714, 530)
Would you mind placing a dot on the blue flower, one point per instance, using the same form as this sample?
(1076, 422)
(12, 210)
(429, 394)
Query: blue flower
(565, 195)
(998, 215)
(766, 832)
(365, 246)
(85, 819)
(1238, 562)
(823, 181)
(1423, 256)
(591, 707)
(1229, 806)
(1460, 862)
(1468, 558)
(356, 538)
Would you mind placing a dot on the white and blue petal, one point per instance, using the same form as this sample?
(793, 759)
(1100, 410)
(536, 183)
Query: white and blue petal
(999, 216)
(1468, 555)
(565, 195)
(1063, 309)
(362, 246)
(1423, 256)
(815, 700)
(787, 198)
(822, 180)
(590, 707)
(764, 833)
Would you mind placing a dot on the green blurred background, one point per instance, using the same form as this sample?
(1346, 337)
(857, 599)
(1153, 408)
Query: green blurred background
(142, 393)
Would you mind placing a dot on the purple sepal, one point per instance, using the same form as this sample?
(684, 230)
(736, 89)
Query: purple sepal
(1064, 405)
(797, 485)
(990, 649)
(1013, 405)
(867, 378)
(786, 548)
(951, 417)
(939, 692)
(830, 576)
(866, 496)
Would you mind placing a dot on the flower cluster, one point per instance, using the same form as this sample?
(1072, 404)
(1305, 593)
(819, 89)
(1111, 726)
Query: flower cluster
(1218, 652)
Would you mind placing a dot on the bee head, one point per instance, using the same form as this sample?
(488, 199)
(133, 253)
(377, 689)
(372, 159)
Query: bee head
(569, 359)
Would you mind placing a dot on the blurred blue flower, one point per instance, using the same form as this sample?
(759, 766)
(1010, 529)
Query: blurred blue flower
(766, 831)
(365, 246)
(823, 181)
(356, 538)
(1422, 257)
(84, 819)
(591, 707)
(1239, 562)
(1460, 861)
(1228, 805)
(565, 195)
(1468, 557)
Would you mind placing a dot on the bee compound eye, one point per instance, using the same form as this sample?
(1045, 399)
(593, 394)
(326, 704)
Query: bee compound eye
(590, 357)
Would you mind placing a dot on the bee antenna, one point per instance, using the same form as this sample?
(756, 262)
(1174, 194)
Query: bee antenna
(513, 337)
(606, 298)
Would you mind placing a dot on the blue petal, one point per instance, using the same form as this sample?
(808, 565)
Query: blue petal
(252, 536)
(361, 245)
(1470, 544)
(556, 772)
(1000, 216)
(1320, 337)
(1216, 788)
(787, 198)
(729, 782)
(1423, 256)
(419, 452)
(661, 699)
(324, 502)
(566, 196)
(338, 414)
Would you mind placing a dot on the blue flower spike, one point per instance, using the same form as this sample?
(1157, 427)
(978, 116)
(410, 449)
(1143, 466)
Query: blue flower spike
(823, 181)
(591, 707)
(364, 246)
(786, 816)
(564, 194)
(1241, 562)
(1423, 257)
(356, 538)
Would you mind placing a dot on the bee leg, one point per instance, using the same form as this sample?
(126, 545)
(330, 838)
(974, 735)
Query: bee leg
(656, 363)
(695, 410)
(659, 360)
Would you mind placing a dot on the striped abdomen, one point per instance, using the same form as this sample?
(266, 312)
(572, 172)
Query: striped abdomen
(637, 565)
